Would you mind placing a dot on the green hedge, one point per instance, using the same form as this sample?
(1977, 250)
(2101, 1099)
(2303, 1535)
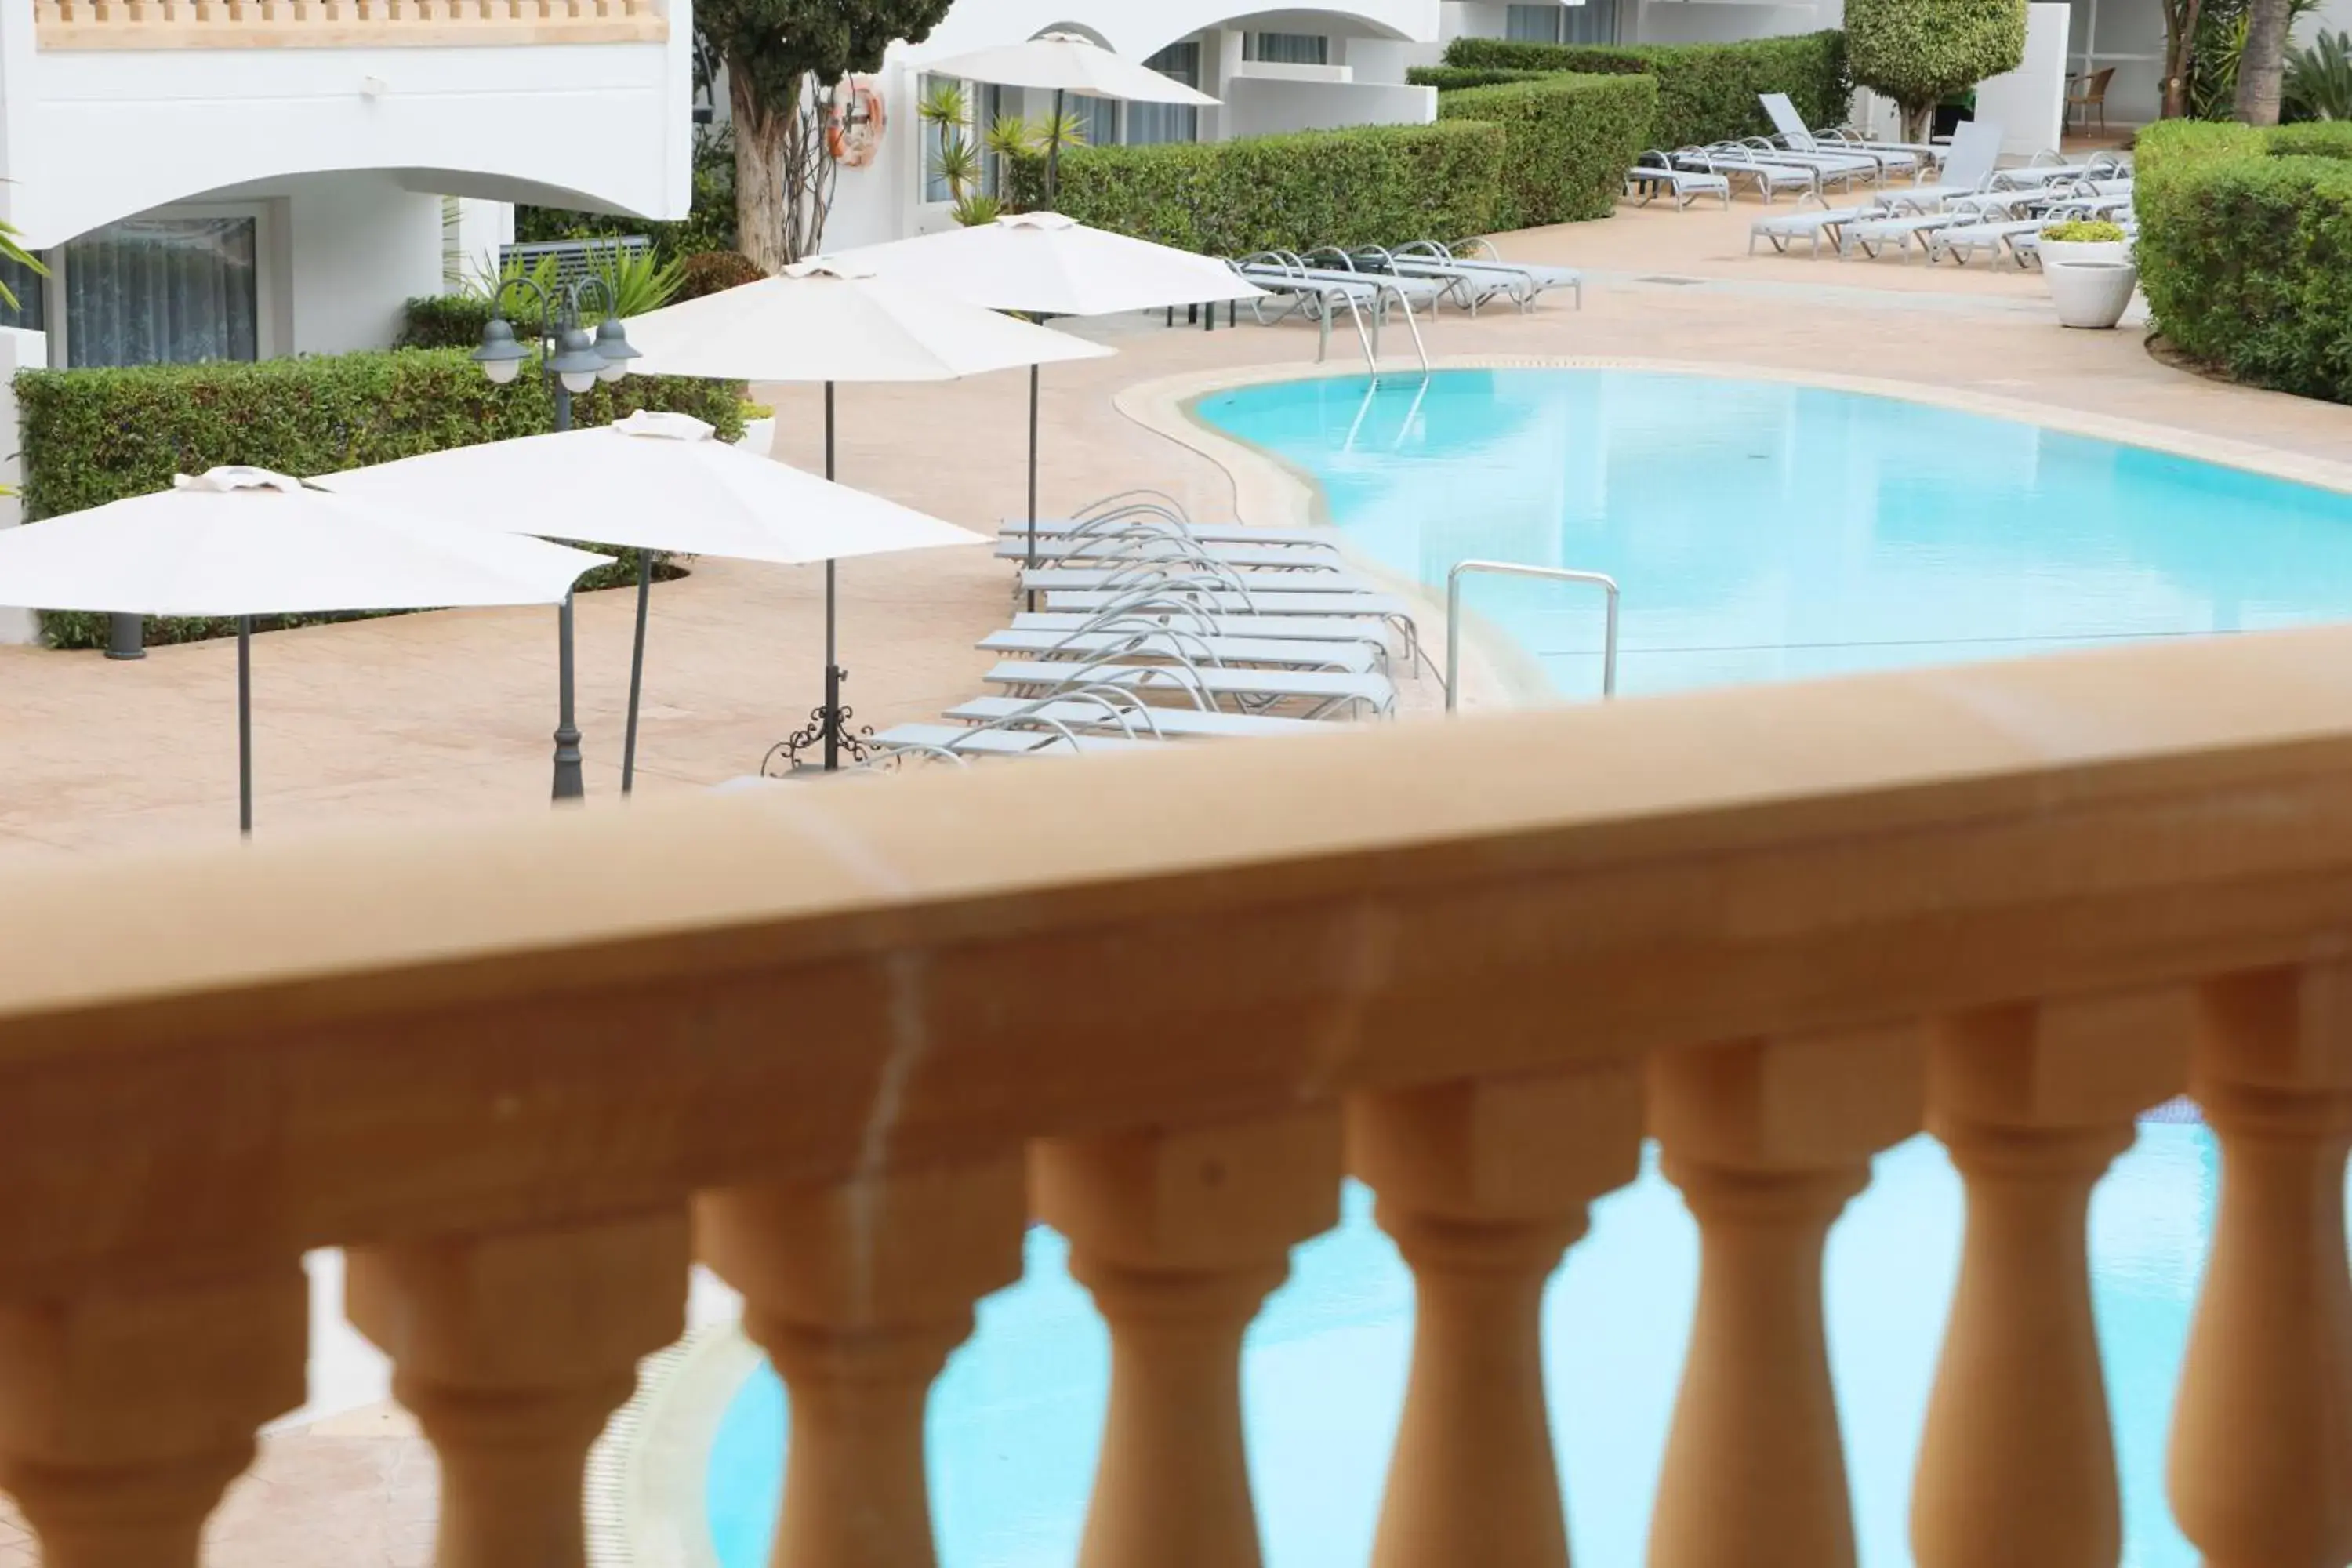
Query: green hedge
(1447, 78)
(1707, 92)
(444, 322)
(1567, 142)
(2245, 249)
(89, 436)
(1374, 184)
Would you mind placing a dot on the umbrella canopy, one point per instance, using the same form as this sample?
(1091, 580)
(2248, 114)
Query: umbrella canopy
(1066, 62)
(1047, 263)
(653, 481)
(246, 541)
(825, 320)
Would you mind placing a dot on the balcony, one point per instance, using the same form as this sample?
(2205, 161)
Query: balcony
(843, 1043)
(340, 24)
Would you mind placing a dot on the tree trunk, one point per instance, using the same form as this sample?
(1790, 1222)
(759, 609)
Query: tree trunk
(2264, 61)
(1919, 121)
(2179, 50)
(760, 173)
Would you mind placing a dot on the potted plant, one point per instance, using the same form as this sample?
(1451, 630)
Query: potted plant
(2089, 270)
(759, 428)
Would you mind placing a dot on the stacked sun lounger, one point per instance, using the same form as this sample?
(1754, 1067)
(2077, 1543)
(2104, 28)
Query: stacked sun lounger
(1150, 629)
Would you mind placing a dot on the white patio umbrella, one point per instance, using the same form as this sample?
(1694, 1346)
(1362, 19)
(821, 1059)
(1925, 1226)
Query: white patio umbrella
(246, 541)
(653, 481)
(1046, 264)
(828, 321)
(1065, 63)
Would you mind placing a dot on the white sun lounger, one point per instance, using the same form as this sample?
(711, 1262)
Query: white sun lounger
(1300, 628)
(957, 742)
(1522, 282)
(1207, 533)
(1323, 692)
(1844, 167)
(1732, 162)
(1218, 600)
(1878, 236)
(1108, 550)
(1895, 157)
(1962, 241)
(1159, 574)
(1082, 711)
(1968, 170)
(1354, 657)
(1655, 171)
(1784, 229)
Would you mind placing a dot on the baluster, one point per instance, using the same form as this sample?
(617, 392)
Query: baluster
(1484, 1185)
(1768, 1139)
(513, 1350)
(1179, 1235)
(124, 1413)
(2260, 1472)
(2017, 1463)
(857, 1292)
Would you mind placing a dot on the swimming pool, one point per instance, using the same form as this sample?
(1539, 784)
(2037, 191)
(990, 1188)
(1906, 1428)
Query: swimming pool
(1763, 530)
(1015, 1417)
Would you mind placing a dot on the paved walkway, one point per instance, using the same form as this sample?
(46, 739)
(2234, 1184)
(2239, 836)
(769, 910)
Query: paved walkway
(424, 715)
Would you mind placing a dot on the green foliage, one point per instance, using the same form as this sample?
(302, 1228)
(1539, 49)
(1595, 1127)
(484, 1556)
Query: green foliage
(1707, 92)
(1450, 78)
(1371, 184)
(709, 225)
(769, 46)
(716, 271)
(90, 436)
(2243, 244)
(634, 282)
(2318, 83)
(2220, 45)
(444, 322)
(2084, 231)
(10, 250)
(1917, 51)
(1567, 141)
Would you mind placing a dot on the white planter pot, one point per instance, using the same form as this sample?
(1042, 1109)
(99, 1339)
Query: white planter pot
(759, 435)
(2065, 250)
(2089, 293)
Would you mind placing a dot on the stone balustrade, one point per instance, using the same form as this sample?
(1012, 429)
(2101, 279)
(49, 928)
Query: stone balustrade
(340, 24)
(843, 1044)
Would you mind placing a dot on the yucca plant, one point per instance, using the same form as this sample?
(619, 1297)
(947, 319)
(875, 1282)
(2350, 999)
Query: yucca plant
(2319, 84)
(955, 160)
(11, 250)
(639, 280)
(973, 210)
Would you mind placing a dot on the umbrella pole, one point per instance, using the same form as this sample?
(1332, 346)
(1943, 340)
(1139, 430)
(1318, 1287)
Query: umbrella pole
(1032, 557)
(244, 726)
(1054, 156)
(636, 670)
(832, 669)
(568, 785)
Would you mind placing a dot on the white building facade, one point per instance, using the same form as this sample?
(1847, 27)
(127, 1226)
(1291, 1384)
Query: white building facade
(206, 185)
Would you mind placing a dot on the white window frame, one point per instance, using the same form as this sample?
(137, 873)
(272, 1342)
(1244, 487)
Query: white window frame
(266, 283)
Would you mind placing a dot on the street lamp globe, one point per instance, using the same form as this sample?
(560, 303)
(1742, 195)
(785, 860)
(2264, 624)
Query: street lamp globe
(577, 365)
(500, 356)
(613, 348)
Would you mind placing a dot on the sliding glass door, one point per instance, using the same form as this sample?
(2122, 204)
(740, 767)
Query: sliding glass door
(160, 289)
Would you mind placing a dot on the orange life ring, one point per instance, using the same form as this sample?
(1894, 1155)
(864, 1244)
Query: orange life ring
(853, 130)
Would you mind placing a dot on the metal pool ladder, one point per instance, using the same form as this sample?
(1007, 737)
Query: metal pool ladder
(1605, 582)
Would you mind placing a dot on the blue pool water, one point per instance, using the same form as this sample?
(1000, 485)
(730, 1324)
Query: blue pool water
(1015, 1418)
(1764, 531)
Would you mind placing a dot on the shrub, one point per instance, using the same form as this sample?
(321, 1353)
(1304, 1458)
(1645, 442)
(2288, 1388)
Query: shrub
(2318, 82)
(2084, 231)
(2243, 241)
(1707, 92)
(444, 322)
(1372, 185)
(715, 271)
(1918, 52)
(1447, 78)
(95, 435)
(1567, 141)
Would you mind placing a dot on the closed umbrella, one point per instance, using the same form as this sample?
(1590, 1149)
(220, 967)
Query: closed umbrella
(1065, 63)
(825, 320)
(651, 481)
(246, 541)
(1046, 264)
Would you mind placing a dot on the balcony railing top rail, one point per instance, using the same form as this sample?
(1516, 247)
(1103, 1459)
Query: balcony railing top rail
(1471, 963)
(340, 24)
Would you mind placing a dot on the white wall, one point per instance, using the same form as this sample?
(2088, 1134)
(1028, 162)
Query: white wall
(1686, 22)
(360, 245)
(18, 351)
(93, 135)
(2029, 103)
(1260, 107)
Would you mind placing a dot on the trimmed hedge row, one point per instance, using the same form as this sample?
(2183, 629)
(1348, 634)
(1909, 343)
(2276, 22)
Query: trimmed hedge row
(1567, 141)
(2245, 249)
(1372, 185)
(95, 435)
(444, 322)
(1707, 92)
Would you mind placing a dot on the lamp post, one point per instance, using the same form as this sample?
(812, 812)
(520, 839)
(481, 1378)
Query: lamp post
(573, 362)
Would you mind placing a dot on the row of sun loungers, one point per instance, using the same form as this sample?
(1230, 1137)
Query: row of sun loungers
(1366, 283)
(1150, 629)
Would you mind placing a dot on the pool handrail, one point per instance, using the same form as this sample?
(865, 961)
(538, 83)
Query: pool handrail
(1461, 569)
